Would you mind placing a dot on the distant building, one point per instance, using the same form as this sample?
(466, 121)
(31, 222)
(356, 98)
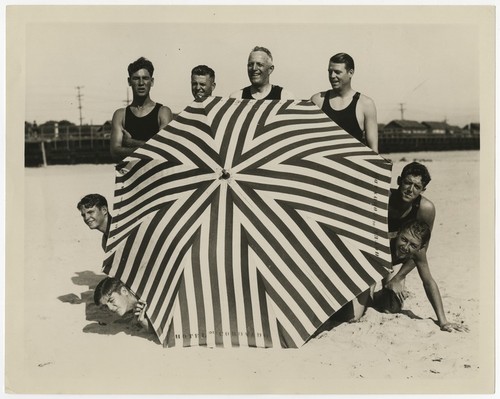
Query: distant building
(472, 128)
(436, 127)
(404, 127)
(381, 127)
(456, 130)
(105, 127)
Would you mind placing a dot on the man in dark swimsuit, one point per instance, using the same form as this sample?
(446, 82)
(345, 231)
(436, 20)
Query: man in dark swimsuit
(143, 118)
(352, 111)
(408, 247)
(95, 214)
(406, 202)
(259, 68)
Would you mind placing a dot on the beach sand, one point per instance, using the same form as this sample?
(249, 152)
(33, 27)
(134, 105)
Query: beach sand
(68, 345)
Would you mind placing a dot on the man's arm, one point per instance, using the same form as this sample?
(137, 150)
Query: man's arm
(370, 123)
(432, 291)
(396, 283)
(165, 116)
(317, 99)
(286, 95)
(118, 148)
(426, 212)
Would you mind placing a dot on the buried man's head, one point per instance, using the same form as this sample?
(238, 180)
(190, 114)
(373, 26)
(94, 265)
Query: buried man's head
(115, 295)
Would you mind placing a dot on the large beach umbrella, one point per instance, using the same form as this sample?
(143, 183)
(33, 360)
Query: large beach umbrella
(248, 223)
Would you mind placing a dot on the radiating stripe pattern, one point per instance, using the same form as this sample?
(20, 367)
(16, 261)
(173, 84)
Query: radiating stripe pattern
(248, 223)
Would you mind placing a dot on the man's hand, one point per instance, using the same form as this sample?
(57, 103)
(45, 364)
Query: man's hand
(454, 326)
(129, 142)
(398, 288)
(140, 313)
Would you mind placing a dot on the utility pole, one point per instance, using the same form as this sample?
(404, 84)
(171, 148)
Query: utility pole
(402, 110)
(79, 96)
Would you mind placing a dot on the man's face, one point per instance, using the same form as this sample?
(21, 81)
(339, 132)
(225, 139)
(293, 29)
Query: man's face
(202, 86)
(338, 75)
(118, 302)
(141, 82)
(411, 187)
(407, 244)
(94, 217)
(259, 68)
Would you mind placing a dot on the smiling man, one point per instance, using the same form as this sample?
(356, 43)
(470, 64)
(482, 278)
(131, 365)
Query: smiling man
(351, 110)
(132, 126)
(259, 68)
(202, 82)
(94, 211)
(409, 249)
(406, 202)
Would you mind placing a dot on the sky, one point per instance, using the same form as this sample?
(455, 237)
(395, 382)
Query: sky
(432, 69)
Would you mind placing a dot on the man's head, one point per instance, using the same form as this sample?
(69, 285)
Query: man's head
(260, 66)
(140, 77)
(94, 211)
(112, 293)
(411, 238)
(202, 82)
(413, 181)
(340, 70)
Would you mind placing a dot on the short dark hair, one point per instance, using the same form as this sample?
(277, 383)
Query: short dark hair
(141, 63)
(202, 70)
(418, 229)
(263, 49)
(417, 169)
(91, 200)
(343, 58)
(106, 287)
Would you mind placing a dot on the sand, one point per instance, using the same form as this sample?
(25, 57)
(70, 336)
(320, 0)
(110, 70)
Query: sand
(67, 345)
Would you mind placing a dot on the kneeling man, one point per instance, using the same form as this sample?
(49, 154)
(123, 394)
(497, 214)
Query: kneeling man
(408, 249)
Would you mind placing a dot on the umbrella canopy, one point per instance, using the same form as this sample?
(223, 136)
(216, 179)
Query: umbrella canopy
(248, 223)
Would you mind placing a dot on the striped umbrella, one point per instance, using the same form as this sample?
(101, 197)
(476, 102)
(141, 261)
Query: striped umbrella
(248, 223)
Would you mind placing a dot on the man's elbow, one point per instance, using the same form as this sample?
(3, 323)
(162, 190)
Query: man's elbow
(115, 156)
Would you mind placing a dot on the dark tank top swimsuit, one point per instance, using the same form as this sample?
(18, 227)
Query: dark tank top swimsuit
(345, 118)
(145, 127)
(274, 94)
(395, 224)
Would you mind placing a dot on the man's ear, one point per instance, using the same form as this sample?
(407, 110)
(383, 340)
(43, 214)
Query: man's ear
(152, 82)
(129, 81)
(399, 180)
(104, 209)
(124, 290)
(271, 69)
(423, 189)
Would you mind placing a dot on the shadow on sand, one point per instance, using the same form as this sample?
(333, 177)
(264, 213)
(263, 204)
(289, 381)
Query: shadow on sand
(102, 320)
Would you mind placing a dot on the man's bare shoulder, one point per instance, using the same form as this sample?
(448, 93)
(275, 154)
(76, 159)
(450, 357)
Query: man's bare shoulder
(119, 114)
(164, 110)
(318, 98)
(365, 100)
(236, 94)
(426, 204)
